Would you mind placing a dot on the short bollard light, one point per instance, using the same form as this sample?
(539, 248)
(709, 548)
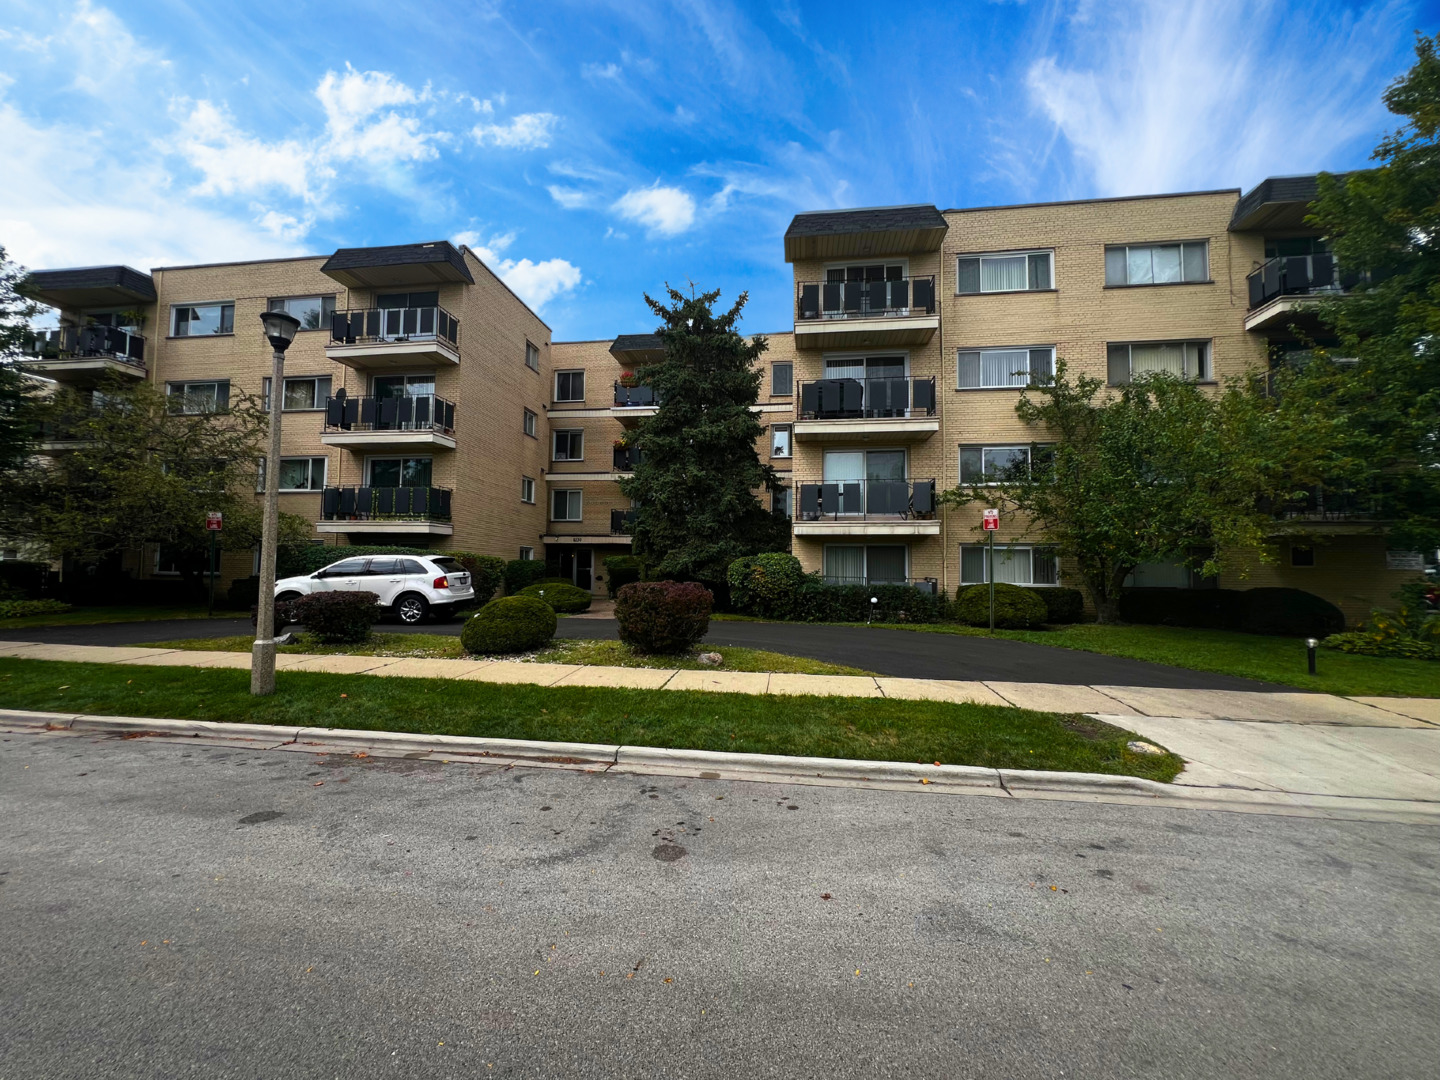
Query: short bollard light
(1310, 646)
(873, 601)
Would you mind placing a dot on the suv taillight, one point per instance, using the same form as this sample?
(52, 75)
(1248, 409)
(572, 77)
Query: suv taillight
(441, 583)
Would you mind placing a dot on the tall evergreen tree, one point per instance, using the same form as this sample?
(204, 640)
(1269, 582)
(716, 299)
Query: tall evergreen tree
(19, 394)
(697, 479)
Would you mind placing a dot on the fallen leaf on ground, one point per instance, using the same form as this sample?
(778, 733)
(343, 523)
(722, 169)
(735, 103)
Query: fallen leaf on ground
(319, 783)
(824, 896)
(924, 780)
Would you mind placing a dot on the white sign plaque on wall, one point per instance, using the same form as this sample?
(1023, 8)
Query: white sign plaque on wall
(1404, 560)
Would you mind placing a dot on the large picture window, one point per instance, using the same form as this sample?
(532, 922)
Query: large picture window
(301, 393)
(1011, 271)
(198, 397)
(313, 311)
(1157, 264)
(199, 320)
(567, 504)
(1001, 369)
(400, 472)
(991, 464)
(297, 474)
(1183, 359)
(1014, 564)
(570, 386)
(865, 564)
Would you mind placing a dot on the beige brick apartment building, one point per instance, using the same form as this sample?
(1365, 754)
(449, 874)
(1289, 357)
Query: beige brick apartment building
(426, 404)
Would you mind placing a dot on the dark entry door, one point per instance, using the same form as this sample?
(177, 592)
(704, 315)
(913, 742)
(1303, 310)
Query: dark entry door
(576, 565)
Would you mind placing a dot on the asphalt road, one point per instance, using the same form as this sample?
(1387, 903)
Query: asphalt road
(898, 653)
(175, 910)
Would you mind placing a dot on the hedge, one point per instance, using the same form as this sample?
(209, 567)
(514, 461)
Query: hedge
(563, 598)
(663, 616)
(512, 624)
(1016, 608)
(24, 609)
(816, 601)
(1290, 612)
(21, 580)
(1061, 605)
(766, 585)
(621, 570)
(243, 593)
(487, 573)
(522, 572)
(337, 618)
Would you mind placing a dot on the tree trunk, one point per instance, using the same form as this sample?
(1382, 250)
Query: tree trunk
(1107, 610)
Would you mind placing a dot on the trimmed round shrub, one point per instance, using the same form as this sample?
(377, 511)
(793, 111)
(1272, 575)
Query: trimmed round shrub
(336, 618)
(1016, 608)
(563, 598)
(1293, 612)
(522, 572)
(1061, 605)
(512, 624)
(487, 573)
(663, 616)
(621, 570)
(765, 585)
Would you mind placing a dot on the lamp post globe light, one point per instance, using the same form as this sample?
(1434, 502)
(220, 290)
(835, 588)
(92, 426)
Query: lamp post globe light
(280, 332)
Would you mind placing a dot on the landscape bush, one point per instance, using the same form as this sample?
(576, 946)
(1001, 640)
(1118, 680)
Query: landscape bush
(298, 560)
(816, 601)
(522, 572)
(24, 609)
(1016, 608)
(243, 593)
(766, 585)
(1291, 612)
(663, 616)
(563, 598)
(22, 580)
(487, 573)
(621, 570)
(1061, 605)
(337, 618)
(512, 624)
(1412, 633)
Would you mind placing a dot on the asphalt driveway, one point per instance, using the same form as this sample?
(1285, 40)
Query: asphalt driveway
(897, 653)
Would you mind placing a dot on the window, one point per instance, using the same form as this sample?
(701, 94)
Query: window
(1157, 264)
(1183, 359)
(198, 397)
(780, 440)
(865, 564)
(527, 490)
(400, 472)
(569, 446)
(1302, 555)
(529, 424)
(167, 560)
(782, 380)
(989, 464)
(1171, 574)
(986, 369)
(304, 393)
(1296, 245)
(782, 502)
(198, 320)
(566, 505)
(1012, 271)
(570, 386)
(527, 553)
(313, 311)
(532, 357)
(1017, 565)
(297, 474)
(402, 386)
(866, 367)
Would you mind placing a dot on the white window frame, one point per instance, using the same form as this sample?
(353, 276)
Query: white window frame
(527, 490)
(865, 547)
(1151, 246)
(775, 430)
(578, 500)
(532, 356)
(181, 390)
(1032, 549)
(311, 458)
(861, 355)
(155, 570)
(982, 350)
(1207, 358)
(221, 304)
(329, 381)
(531, 424)
(786, 364)
(555, 443)
(983, 255)
(527, 553)
(985, 449)
(326, 309)
(556, 388)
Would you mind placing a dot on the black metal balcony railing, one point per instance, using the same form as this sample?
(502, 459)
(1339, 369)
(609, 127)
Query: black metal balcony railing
(1326, 504)
(423, 412)
(927, 585)
(865, 299)
(369, 325)
(622, 522)
(844, 399)
(626, 396)
(385, 503)
(626, 458)
(1298, 275)
(81, 342)
(867, 499)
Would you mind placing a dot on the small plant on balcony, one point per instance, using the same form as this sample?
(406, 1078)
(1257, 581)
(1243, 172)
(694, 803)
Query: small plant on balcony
(627, 378)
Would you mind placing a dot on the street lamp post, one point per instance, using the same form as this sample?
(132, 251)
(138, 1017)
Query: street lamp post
(280, 330)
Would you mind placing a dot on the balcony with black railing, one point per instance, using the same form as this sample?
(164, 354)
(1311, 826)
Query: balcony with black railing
(394, 337)
(625, 458)
(1282, 284)
(635, 397)
(902, 406)
(622, 522)
(1321, 505)
(73, 351)
(877, 507)
(419, 420)
(896, 311)
(364, 509)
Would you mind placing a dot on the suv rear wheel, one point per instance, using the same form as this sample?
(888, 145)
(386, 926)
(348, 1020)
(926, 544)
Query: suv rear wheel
(412, 608)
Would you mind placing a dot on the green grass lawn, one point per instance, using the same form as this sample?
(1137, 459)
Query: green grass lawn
(83, 616)
(561, 651)
(862, 728)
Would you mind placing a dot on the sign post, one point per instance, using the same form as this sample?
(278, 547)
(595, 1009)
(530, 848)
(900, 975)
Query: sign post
(991, 522)
(213, 521)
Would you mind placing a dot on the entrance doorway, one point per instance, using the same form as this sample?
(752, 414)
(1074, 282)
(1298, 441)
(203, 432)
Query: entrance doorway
(575, 565)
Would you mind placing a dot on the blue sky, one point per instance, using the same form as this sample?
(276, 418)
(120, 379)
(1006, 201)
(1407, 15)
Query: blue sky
(594, 151)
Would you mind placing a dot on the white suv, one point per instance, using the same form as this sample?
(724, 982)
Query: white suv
(411, 586)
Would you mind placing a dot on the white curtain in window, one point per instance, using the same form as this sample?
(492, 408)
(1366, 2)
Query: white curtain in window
(999, 275)
(846, 368)
(1138, 270)
(845, 565)
(1167, 263)
(1004, 367)
(1012, 565)
(1167, 358)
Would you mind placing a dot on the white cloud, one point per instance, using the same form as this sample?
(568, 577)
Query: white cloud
(535, 283)
(1166, 97)
(569, 198)
(664, 211)
(527, 131)
(601, 71)
(353, 130)
(233, 162)
(282, 226)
